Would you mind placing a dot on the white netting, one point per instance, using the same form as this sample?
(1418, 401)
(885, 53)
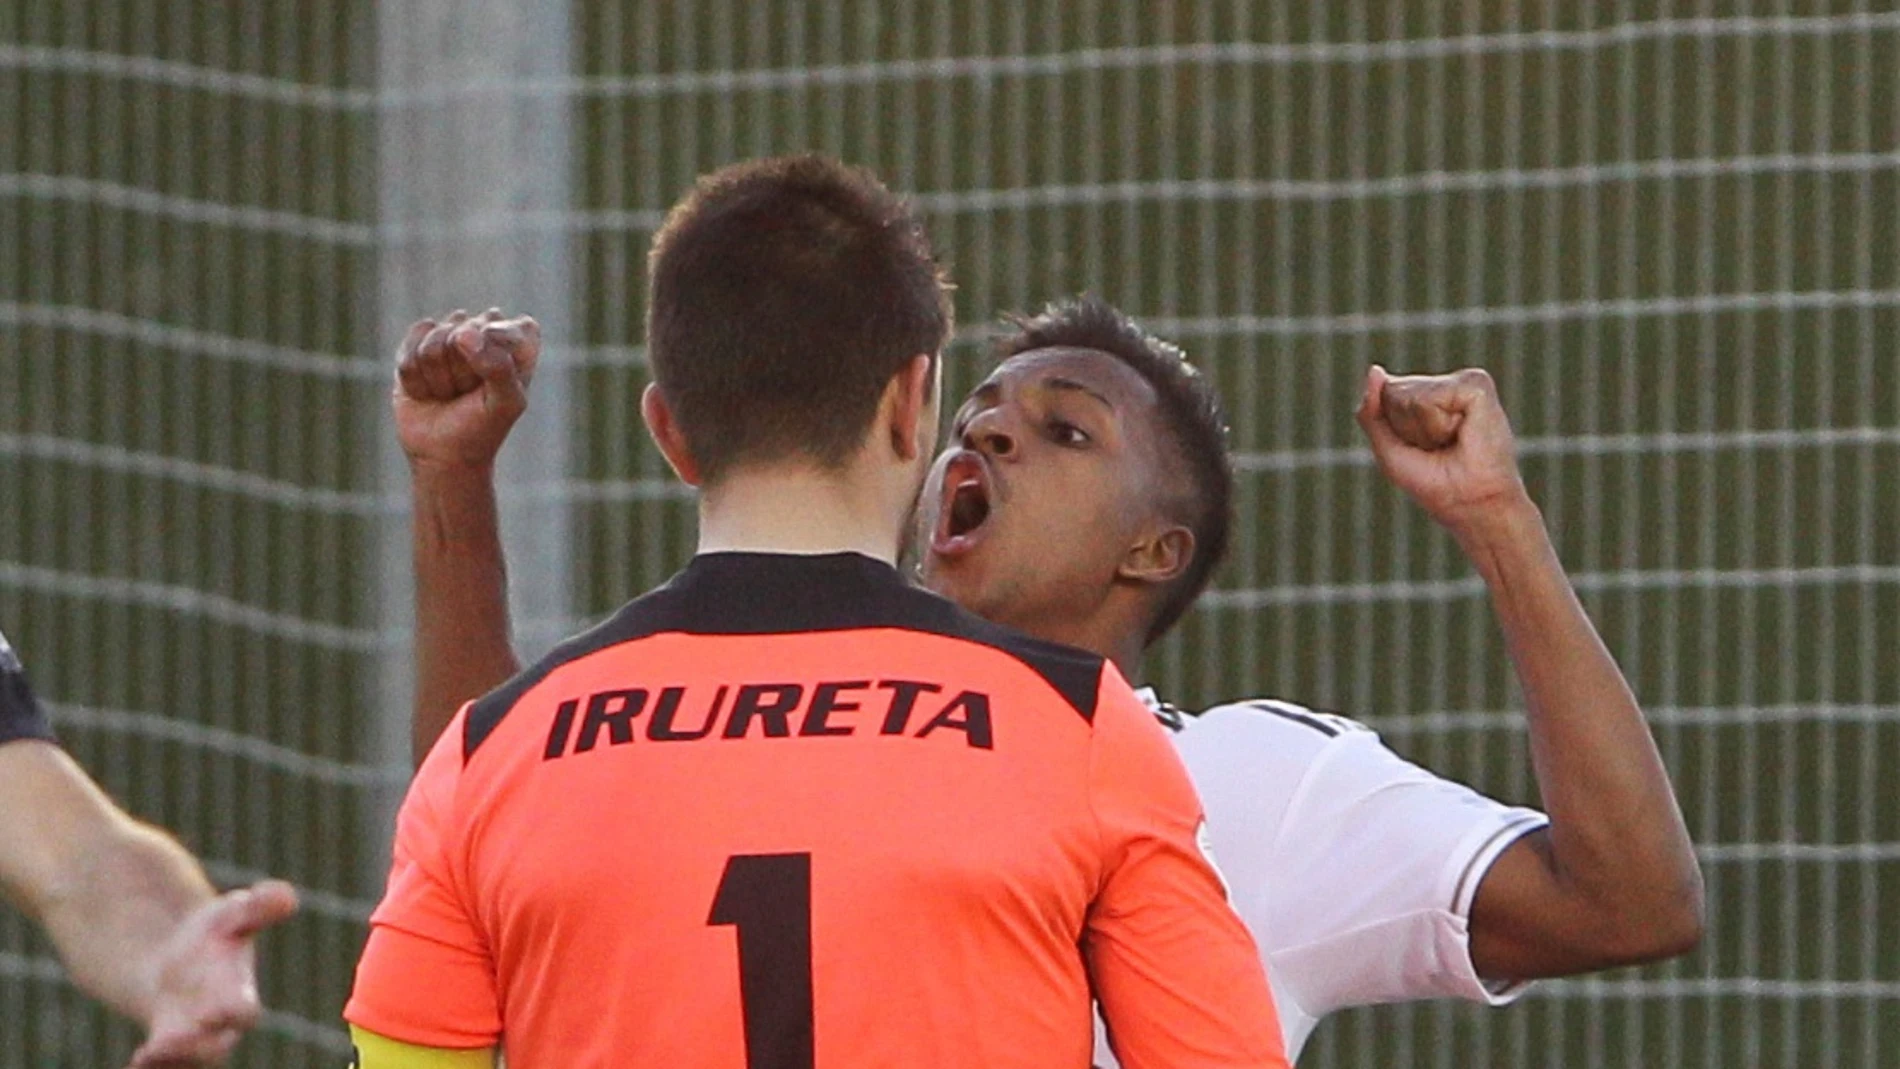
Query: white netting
(184, 241)
(1667, 228)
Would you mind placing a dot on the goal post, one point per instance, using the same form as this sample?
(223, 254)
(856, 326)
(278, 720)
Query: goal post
(472, 183)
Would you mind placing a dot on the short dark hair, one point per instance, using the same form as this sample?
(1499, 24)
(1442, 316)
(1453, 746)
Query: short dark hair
(785, 293)
(1191, 419)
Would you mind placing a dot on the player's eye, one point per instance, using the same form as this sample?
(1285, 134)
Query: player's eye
(1066, 433)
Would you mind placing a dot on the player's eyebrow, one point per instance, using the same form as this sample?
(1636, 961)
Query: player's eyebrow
(1057, 382)
(985, 392)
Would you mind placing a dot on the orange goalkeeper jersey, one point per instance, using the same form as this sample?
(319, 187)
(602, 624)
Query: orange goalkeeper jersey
(788, 812)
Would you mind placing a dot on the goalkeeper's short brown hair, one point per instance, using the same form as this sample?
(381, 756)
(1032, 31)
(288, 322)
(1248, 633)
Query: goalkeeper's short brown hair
(784, 295)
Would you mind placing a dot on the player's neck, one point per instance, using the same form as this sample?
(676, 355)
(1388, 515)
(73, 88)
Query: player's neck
(1124, 622)
(1122, 645)
(1116, 629)
(802, 509)
(1126, 654)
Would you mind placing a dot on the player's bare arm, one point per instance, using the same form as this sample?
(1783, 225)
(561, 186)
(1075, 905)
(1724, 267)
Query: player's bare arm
(461, 383)
(130, 912)
(1613, 880)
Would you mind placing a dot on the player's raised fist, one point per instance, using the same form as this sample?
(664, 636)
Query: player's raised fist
(1444, 440)
(461, 382)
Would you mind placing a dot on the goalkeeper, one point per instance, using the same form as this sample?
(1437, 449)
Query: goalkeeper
(1084, 499)
(129, 910)
(733, 824)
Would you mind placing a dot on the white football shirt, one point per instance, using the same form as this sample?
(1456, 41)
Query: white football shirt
(1354, 868)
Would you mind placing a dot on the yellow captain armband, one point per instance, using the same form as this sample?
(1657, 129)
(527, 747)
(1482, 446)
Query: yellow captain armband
(372, 1051)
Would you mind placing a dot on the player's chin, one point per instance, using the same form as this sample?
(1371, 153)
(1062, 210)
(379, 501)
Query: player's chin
(954, 569)
(939, 572)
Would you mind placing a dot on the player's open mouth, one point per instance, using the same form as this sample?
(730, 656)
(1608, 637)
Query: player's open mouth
(965, 507)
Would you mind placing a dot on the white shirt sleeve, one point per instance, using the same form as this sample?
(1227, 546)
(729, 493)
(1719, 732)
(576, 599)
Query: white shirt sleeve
(1372, 867)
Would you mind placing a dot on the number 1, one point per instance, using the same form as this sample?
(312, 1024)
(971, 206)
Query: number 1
(767, 897)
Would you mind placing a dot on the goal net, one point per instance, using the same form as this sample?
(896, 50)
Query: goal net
(1668, 229)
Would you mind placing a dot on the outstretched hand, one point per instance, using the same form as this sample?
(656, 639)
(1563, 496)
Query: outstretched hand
(1445, 441)
(205, 985)
(461, 383)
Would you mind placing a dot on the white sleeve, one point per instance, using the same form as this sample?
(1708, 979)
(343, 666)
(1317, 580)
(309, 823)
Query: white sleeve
(1376, 864)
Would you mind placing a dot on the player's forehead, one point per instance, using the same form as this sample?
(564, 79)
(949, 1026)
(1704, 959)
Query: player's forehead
(1107, 376)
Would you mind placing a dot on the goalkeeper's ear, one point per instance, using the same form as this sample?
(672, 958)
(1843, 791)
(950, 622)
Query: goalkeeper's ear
(666, 432)
(372, 1051)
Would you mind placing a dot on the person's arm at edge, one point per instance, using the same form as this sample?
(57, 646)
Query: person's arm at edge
(461, 384)
(129, 910)
(1613, 880)
(373, 1051)
(107, 889)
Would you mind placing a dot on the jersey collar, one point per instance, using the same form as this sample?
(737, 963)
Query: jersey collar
(1170, 717)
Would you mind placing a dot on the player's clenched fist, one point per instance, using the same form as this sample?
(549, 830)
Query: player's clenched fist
(1444, 440)
(461, 382)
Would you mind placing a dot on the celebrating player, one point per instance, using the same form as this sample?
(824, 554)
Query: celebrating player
(787, 809)
(127, 908)
(1094, 448)
(1086, 500)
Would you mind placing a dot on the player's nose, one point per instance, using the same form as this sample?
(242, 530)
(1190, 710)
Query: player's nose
(990, 435)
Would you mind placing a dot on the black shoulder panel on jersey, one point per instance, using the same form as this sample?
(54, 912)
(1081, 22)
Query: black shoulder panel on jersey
(488, 710)
(21, 715)
(773, 593)
(1297, 715)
